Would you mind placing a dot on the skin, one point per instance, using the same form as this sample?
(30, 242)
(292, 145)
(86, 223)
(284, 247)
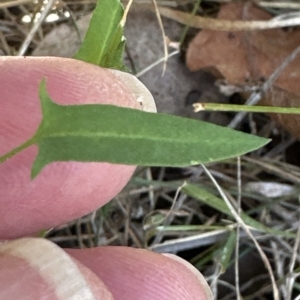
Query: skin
(65, 191)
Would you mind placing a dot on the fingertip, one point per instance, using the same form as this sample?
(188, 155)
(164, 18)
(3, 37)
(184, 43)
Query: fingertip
(203, 283)
(35, 268)
(141, 274)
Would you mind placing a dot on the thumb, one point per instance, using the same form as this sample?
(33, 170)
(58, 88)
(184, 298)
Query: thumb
(64, 190)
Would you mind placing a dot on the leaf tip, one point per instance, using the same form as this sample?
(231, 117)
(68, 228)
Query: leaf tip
(265, 141)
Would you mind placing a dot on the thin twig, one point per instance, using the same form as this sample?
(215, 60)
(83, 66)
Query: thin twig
(161, 25)
(278, 4)
(285, 20)
(14, 3)
(147, 69)
(35, 27)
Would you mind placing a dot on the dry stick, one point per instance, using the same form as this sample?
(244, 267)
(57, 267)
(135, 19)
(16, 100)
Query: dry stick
(278, 4)
(255, 97)
(161, 25)
(246, 229)
(35, 27)
(14, 3)
(148, 68)
(285, 20)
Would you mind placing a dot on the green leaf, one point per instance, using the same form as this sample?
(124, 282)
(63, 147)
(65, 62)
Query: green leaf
(227, 250)
(109, 133)
(218, 204)
(104, 42)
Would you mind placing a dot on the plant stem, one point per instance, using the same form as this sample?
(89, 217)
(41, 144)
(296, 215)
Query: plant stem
(245, 108)
(18, 149)
(187, 27)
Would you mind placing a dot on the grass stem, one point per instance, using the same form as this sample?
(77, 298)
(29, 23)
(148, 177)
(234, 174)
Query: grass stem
(245, 108)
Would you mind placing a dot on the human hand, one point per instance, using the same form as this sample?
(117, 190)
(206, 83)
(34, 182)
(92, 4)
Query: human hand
(34, 268)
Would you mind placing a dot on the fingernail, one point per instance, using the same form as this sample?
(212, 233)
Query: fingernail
(204, 284)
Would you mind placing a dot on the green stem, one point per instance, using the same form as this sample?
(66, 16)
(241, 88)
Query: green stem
(187, 27)
(245, 108)
(18, 149)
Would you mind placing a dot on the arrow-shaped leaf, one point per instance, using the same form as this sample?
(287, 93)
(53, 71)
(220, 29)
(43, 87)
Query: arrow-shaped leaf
(126, 136)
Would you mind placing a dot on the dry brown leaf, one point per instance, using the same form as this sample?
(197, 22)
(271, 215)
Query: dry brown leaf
(243, 57)
(280, 97)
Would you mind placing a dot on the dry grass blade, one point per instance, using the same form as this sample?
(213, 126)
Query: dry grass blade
(127, 8)
(291, 276)
(278, 4)
(243, 225)
(202, 239)
(272, 168)
(163, 59)
(163, 34)
(14, 3)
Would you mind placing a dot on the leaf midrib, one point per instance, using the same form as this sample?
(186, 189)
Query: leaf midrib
(118, 136)
(108, 37)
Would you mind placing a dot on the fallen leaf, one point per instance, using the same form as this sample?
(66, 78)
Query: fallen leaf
(251, 57)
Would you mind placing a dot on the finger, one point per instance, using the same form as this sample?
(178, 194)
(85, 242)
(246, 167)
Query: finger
(140, 274)
(63, 190)
(37, 269)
